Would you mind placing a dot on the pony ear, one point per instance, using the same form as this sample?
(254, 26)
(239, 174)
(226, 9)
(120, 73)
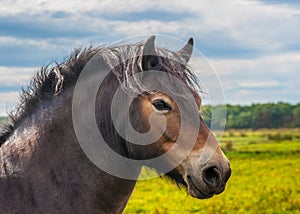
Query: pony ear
(149, 47)
(186, 51)
(150, 59)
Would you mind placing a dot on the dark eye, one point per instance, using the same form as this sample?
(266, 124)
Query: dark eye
(161, 105)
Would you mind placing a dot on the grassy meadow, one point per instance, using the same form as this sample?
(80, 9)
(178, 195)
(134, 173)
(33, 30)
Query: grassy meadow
(265, 179)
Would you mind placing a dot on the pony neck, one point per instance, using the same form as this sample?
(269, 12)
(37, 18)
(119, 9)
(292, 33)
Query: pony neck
(45, 156)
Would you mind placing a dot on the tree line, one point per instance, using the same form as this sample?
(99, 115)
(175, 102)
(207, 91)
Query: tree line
(2, 120)
(255, 116)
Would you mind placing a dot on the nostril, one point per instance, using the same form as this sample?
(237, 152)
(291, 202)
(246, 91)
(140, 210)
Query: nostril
(211, 176)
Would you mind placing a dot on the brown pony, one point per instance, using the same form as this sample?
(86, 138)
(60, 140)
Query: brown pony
(43, 168)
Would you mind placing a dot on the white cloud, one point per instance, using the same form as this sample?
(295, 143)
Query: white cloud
(259, 84)
(270, 30)
(251, 24)
(8, 101)
(15, 76)
(280, 65)
(78, 7)
(266, 78)
(262, 79)
(4, 40)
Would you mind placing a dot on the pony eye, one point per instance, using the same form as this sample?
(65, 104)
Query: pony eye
(161, 105)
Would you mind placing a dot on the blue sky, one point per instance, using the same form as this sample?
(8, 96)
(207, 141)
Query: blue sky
(254, 46)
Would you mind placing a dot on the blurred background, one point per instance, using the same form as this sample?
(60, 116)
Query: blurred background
(253, 46)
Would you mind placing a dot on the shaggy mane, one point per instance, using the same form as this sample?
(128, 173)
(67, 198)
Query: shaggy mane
(52, 80)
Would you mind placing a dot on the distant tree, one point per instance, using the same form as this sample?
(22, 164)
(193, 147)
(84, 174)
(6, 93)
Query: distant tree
(255, 116)
(296, 116)
(218, 117)
(244, 120)
(262, 118)
(2, 120)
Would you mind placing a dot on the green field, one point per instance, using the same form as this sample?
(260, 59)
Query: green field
(265, 179)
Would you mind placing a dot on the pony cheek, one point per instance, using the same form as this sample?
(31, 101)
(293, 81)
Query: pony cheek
(172, 134)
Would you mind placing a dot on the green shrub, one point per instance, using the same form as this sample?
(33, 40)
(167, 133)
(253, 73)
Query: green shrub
(229, 146)
(279, 137)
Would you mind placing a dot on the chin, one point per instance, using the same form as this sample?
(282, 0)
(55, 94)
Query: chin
(196, 191)
(188, 183)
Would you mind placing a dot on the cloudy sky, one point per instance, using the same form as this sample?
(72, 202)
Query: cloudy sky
(254, 46)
